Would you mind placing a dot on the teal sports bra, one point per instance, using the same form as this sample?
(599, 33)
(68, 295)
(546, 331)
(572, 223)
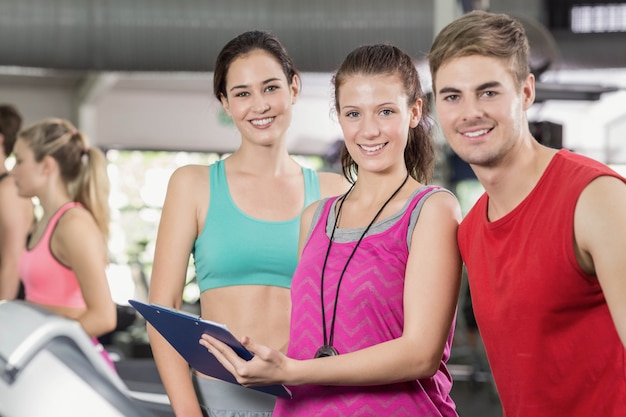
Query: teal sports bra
(236, 249)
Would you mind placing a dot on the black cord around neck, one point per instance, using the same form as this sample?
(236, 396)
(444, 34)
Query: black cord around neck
(328, 341)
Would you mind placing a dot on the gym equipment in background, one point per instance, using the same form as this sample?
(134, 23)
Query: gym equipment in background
(49, 367)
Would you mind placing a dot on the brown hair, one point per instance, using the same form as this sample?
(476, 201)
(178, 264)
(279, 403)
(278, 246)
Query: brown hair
(83, 168)
(383, 59)
(10, 124)
(483, 33)
(244, 44)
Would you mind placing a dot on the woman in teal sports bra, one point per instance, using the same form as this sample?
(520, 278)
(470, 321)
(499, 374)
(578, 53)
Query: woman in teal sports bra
(239, 218)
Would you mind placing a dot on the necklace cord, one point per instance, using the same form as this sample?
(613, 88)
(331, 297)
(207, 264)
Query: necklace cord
(329, 340)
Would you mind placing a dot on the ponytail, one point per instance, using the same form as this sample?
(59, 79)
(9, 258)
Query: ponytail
(83, 168)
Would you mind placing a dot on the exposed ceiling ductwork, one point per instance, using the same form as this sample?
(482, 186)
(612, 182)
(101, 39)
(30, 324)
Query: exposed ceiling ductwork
(186, 35)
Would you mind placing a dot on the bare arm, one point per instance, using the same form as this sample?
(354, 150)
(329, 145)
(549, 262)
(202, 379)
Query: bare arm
(16, 216)
(77, 242)
(431, 293)
(177, 232)
(600, 231)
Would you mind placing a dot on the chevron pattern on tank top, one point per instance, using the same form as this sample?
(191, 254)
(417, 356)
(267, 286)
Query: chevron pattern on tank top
(369, 312)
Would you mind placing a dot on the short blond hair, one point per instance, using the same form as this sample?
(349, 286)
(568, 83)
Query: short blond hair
(483, 33)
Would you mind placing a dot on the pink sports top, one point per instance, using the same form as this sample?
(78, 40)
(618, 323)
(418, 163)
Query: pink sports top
(46, 280)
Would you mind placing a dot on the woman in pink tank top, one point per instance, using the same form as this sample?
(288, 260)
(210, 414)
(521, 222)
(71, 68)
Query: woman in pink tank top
(374, 295)
(63, 268)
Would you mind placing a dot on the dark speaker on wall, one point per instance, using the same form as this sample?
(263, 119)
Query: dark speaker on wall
(548, 133)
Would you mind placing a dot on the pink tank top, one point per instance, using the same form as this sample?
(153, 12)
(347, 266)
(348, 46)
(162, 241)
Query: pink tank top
(369, 311)
(46, 280)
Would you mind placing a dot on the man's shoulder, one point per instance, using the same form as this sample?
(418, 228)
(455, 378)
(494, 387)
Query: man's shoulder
(475, 214)
(579, 169)
(576, 159)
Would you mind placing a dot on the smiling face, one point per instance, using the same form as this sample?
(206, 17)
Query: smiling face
(481, 109)
(375, 118)
(259, 97)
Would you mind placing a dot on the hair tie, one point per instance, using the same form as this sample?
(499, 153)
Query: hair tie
(84, 155)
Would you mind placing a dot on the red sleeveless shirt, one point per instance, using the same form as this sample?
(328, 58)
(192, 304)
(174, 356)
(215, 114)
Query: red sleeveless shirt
(550, 340)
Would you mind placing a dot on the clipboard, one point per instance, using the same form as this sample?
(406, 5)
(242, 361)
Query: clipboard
(183, 331)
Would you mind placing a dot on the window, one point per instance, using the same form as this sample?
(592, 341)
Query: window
(598, 18)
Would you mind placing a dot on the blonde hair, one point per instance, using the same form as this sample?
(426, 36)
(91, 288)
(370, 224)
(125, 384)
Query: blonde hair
(83, 168)
(483, 33)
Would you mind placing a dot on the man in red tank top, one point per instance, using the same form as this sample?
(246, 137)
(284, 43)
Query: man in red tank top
(544, 246)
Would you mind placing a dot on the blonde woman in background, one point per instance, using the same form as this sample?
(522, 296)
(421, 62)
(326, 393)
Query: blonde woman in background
(63, 266)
